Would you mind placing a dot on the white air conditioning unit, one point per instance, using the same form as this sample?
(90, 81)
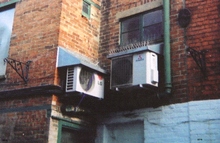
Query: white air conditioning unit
(134, 69)
(84, 80)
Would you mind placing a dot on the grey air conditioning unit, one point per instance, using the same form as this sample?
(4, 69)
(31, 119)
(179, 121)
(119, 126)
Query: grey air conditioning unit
(139, 68)
(84, 80)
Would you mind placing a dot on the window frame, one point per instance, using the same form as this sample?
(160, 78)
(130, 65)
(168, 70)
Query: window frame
(5, 5)
(141, 26)
(72, 126)
(89, 2)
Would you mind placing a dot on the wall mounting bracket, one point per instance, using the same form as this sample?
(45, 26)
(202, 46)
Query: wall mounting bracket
(199, 58)
(22, 69)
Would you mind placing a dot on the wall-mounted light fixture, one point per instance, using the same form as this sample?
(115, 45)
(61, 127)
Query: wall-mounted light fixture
(184, 17)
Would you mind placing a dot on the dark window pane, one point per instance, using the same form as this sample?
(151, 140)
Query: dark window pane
(153, 32)
(85, 7)
(74, 136)
(68, 136)
(130, 37)
(152, 18)
(152, 28)
(130, 24)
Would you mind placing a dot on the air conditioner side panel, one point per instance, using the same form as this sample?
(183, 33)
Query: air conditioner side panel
(98, 90)
(145, 68)
(154, 79)
(77, 83)
(152, 69)
(71, 79)
(139, 68)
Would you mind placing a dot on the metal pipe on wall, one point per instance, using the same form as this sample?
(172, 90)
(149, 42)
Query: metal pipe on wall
(167, 61)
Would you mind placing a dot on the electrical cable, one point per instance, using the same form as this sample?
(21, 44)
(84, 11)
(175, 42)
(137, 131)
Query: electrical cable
(88, 87)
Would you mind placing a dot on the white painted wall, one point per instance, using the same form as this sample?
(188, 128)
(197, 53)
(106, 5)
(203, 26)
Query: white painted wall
(195, 122)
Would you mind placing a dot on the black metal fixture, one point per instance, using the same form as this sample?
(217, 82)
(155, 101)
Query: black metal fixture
(184, 17)
(21, 68)
(199, 58)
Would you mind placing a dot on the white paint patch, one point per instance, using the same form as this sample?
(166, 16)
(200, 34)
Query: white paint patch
(196, 121)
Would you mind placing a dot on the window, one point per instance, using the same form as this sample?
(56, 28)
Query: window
(72, 132)
(142, 27)
(6, 22)
(86, 9)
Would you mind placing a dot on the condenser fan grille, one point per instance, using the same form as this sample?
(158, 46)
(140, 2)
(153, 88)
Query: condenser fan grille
(122, 71)
(86, 79)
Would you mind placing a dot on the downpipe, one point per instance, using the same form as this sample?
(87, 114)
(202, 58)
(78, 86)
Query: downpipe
(167, 61)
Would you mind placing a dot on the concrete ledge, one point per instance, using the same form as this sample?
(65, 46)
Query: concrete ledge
(31, 91)
(139, 9)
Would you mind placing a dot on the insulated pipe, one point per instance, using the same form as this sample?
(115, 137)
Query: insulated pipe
(167, 63)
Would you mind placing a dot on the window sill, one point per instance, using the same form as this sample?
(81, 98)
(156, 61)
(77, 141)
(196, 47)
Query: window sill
(139, 9)
(8, 3)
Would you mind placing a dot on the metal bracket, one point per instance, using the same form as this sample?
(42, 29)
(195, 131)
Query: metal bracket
(18, 67)
(199, 58)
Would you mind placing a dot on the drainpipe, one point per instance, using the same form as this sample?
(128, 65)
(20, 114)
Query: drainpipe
(167, 65)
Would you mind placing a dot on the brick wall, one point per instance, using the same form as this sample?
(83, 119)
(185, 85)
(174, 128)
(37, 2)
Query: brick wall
(178, 55)
(25, 120)
(78, 33)
(109, 39)
(201, 34)
(34, 37)
(110, 28)
(39, 28)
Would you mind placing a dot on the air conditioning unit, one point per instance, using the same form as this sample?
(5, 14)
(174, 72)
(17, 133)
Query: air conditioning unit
(84, 80)
(134, 69)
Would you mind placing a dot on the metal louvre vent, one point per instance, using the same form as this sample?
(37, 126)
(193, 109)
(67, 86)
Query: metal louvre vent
(86, 7)
(122, 71)
(70, 79)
